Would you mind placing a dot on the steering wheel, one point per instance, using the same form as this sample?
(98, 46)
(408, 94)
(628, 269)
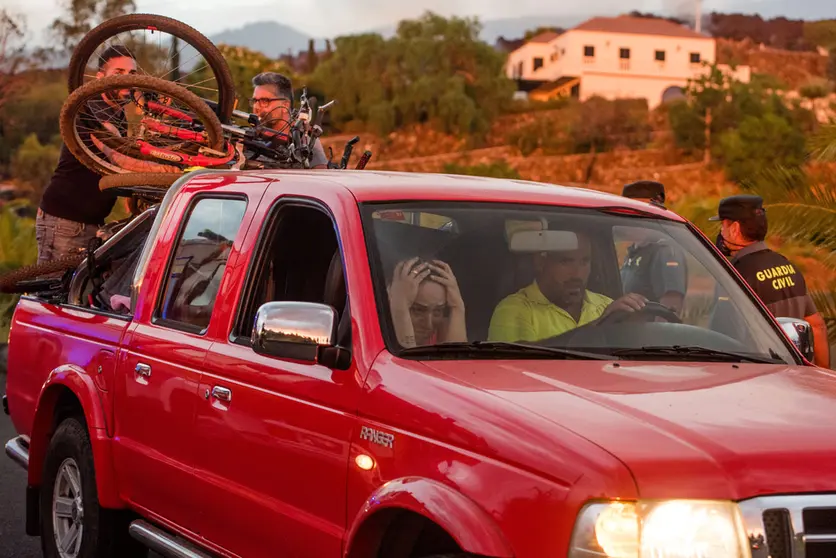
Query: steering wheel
(650, 309)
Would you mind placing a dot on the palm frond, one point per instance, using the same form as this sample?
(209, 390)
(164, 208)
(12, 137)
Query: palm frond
(823, 143)
(793, 184)
(799, 208)
(804, 223)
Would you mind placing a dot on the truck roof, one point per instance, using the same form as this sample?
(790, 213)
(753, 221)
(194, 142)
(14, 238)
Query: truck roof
(378, 185)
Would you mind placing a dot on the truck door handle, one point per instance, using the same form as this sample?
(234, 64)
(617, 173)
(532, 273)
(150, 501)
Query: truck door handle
(143, 370)
(222, 394)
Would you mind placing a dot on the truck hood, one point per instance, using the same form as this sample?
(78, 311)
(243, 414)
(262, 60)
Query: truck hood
(694, 430)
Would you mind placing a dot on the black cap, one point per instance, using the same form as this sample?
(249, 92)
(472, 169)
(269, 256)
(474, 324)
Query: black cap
(645, 189)
(739, 208)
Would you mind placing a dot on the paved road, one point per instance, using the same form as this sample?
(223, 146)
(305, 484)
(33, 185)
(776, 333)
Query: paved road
(14, 542)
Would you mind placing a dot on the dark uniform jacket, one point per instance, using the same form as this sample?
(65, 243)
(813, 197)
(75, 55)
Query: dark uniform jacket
(654, 269)
(775, 280)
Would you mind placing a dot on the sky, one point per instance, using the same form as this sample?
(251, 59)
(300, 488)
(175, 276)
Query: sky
(329, 18)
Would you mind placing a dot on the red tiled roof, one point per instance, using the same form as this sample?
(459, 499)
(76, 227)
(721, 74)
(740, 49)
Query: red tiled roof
(639, 26)
(545, 37)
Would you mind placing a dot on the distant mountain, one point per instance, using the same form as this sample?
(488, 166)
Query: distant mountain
(270, 37)
(275, 39)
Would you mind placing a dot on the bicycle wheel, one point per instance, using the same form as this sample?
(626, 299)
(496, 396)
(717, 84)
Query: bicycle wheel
(11, 282)
(154, 180)
(114, 150)
(84, 61)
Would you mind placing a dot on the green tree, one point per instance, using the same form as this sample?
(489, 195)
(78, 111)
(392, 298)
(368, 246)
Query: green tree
(750, 126)
(347, 76)
(244, 64)
(18, 247)
(33, 164)
(688, 126)
(758, 143)
(433, 70)
(821, 33)
(35, 112)
(313, 59)
(12, 58)
(80, 16)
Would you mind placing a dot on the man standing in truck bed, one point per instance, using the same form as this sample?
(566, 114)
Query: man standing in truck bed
(73, 207)
(272, 102)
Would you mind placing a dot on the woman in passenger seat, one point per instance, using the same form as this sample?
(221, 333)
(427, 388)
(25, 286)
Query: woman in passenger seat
(426, 304)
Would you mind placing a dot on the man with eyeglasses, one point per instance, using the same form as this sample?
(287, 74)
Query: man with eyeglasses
(272, 102)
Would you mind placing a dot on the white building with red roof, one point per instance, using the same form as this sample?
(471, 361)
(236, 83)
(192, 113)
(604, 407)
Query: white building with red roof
(615, 57)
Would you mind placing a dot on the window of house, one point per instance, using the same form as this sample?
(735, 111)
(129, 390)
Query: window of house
(298, 259)
(624, 54)
(589, 51)
(538, 63)
(695, 58)
(198, 262)
(660, 55)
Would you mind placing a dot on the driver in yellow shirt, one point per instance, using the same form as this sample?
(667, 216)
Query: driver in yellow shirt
(558, 300)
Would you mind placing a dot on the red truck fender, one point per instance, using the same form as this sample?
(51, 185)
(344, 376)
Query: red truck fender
(83, 387)
(470, 526)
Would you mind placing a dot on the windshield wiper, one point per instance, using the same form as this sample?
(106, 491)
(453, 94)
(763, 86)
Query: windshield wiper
(686, 351)
(500, 349)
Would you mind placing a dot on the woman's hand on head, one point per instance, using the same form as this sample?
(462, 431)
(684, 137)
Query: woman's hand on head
(406, 279)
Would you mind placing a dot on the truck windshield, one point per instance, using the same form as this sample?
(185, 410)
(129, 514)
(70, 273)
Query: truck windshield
(486, 280)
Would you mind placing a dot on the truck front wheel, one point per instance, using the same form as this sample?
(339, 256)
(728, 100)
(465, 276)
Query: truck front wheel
(73, 525)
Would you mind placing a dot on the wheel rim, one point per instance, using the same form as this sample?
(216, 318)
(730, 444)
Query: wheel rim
(68, 510)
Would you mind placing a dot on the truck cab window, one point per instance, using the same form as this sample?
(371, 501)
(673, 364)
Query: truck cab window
(298, 259)
(198, 262)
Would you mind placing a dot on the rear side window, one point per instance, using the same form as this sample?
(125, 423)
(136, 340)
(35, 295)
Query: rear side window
(198, 263)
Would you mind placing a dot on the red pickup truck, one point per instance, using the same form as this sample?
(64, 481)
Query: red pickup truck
(286, 383)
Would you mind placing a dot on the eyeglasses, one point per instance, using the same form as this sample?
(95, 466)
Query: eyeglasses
(265, 101)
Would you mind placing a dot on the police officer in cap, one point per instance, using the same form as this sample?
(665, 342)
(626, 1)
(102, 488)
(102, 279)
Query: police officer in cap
(654, 267)
(773, 277)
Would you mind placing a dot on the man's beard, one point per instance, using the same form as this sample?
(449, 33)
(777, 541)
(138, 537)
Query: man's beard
(269, 120)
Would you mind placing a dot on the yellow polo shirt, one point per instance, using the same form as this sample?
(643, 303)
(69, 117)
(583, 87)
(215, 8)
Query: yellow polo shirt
(527, 315)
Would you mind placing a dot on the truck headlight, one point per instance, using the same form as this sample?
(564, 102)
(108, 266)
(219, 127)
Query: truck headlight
(660, 529)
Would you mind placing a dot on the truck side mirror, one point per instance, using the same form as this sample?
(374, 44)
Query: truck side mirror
(800, 333)
(294, 330)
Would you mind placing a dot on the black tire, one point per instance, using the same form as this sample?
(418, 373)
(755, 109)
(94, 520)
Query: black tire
(132, 22)
(10, 282)
(104, 533)
(80, 96)
(161, 180)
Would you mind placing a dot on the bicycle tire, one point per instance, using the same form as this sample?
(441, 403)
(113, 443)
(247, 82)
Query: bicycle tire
(160, 180)
(133, 22)
(9, 282)
(77, 98)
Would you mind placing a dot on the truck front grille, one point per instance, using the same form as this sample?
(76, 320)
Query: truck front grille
(791, 526)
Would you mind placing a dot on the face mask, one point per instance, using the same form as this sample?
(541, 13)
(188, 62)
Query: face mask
(720, 243)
